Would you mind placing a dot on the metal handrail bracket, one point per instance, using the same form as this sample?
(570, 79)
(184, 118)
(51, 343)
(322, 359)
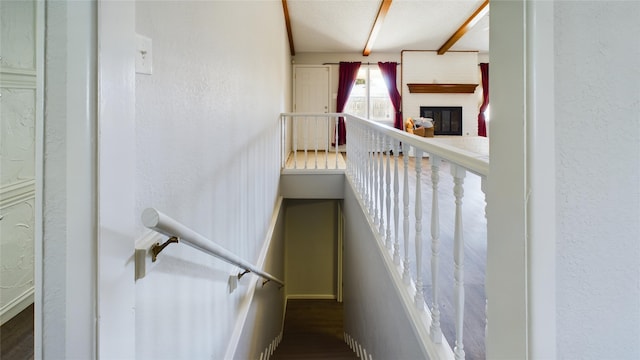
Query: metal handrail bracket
(179, 233)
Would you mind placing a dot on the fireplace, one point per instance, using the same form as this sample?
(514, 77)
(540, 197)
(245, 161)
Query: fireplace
(447, 120)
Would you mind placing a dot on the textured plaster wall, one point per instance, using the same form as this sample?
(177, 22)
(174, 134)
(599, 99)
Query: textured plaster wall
(17, 155)
(207, 154)
(598, 179)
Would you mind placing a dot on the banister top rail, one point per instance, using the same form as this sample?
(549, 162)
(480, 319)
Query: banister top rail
(157, 221)
(473, 162)
(302, 114)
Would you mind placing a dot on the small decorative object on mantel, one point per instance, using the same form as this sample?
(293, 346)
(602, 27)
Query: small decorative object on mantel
(442, 88)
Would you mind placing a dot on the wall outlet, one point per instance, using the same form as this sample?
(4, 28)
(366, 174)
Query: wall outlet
(144, 55)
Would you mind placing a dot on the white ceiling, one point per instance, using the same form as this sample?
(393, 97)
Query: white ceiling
(343, 26)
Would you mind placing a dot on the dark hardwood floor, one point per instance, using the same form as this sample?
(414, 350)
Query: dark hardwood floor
(313, 329)
(16, 336)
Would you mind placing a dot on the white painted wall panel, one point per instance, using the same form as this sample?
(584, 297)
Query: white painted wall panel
(16, 253)
(207, 152)
(17, 133)
(17, 155)
(18, 35)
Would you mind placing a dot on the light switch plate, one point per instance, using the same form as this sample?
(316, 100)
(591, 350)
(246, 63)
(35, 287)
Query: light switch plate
(144, 55)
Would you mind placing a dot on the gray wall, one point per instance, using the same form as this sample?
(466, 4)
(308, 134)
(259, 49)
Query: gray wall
(311, 248)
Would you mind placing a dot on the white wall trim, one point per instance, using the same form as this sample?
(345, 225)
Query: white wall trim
(19, 79)
(311, 297)
(17, 192)
(506, 272)
(39, 180)
(15, 306)
(116, 157)
(541, 162)
(243, 311)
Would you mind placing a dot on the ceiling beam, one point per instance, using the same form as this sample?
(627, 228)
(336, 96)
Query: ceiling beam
(382, 12)
(471, 22)
(287, 21)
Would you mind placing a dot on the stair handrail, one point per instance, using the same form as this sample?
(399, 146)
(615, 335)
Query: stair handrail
(178, 232)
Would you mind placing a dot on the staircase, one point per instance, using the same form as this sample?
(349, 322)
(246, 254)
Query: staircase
(313, 330)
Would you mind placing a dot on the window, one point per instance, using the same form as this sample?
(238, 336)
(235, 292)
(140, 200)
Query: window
(369, 97)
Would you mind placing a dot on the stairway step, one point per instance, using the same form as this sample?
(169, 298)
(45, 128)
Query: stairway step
(313, 329)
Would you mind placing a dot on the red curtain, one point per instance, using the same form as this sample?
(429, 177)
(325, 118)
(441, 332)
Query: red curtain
(482, 123)
(347, 77)
(388, 70)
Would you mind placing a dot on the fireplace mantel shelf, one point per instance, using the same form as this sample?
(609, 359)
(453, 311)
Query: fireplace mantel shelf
(442, 88)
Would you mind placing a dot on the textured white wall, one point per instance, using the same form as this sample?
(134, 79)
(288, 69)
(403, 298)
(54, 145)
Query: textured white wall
(207, 154)
(598, 179)
(17, 155)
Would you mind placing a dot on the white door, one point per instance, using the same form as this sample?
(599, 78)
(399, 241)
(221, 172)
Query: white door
(311, 95)
(18, 109)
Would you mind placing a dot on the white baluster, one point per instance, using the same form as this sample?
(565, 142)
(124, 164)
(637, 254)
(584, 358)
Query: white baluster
(357, 159)
(388, 190)
(458, 259)
(396, 200)
(436, 331)
(337, 132)
(483, 187)
(338, 146)
(406, 275)
(315, 126)
(419, 297)
(326, 152)
(295, 141)
(370, 190)
(382, 185)
(376, 198)
(306, 144)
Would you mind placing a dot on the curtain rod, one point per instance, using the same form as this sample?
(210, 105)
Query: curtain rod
(367, 63)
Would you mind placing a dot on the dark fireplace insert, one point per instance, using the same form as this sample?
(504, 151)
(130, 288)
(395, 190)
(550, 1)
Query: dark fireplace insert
(447, 120)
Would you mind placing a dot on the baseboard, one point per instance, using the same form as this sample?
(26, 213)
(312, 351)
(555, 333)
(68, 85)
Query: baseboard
(311, 297)
(357, 348)
(273, 345)
(18, 304)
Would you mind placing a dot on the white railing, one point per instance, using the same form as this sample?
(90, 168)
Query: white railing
(157, 221)
(371, 148)
(310, 140)
(388, 188)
